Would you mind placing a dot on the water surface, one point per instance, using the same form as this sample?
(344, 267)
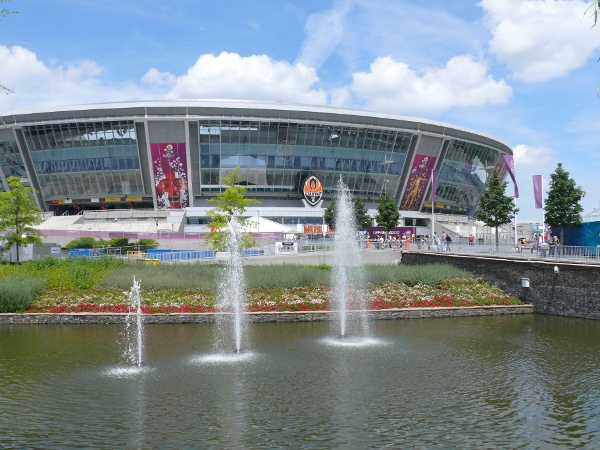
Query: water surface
(526, 381)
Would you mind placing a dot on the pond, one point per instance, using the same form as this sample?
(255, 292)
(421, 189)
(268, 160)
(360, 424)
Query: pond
(527, 381)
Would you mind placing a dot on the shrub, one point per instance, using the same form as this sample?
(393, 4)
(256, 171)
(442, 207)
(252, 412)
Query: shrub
(145, 244)
(119, 242)
(87, 242)
(82, 242)
(17, 294)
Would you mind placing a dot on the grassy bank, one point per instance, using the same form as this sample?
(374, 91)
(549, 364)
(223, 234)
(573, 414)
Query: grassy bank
(102, 285)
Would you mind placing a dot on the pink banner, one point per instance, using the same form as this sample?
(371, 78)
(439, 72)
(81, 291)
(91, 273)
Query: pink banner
(510, 166)
(417, 182)
(169, 164)
(537, 191)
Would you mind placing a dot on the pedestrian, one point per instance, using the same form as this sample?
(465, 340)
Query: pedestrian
(556, 245)
(448, 242)
(444, 241)
(471, 239)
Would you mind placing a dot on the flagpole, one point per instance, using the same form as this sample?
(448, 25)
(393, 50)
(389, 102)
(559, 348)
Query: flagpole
(433, 199)
(543, 218)
(515, 199)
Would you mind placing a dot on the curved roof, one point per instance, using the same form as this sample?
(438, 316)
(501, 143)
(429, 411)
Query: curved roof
(247, 109)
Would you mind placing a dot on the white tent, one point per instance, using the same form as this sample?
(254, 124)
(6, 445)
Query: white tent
(262, 225)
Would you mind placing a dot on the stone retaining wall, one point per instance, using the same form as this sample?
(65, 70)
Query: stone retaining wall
(311, 316)
(559, 288)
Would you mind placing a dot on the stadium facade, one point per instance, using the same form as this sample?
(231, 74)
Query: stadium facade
(173, 155)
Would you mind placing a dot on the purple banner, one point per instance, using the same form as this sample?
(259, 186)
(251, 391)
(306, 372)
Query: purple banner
(376, 232)
(510, 165)
(169, 163)
(417, 182)
(537, 191)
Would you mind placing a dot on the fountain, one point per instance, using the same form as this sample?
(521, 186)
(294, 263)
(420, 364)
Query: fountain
(231, 324)
(348, 276)
(134, 342)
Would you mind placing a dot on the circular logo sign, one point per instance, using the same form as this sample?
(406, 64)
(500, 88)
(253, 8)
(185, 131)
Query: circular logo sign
(313, 190)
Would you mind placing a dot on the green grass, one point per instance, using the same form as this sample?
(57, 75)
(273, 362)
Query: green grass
(282, 276)
(86, 278)
(69, 273)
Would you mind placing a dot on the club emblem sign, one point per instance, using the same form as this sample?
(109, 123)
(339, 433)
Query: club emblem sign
(313, 190)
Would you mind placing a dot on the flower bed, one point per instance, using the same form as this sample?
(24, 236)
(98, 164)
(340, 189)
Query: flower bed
(455, 293)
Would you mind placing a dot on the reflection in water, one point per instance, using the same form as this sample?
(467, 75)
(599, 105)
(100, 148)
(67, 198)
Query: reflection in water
(502, 382)
(219, 358)
(358, 342)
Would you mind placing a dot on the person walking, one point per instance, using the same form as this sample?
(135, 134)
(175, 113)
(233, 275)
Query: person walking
(448, 242)
(556, 245)
(444, 241)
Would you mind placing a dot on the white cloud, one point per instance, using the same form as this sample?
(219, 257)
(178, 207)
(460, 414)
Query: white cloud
(527, 156)
(324, 32)
(540, 39)
(256, 77)
(155, 77)
(37, 84)
(394, 87)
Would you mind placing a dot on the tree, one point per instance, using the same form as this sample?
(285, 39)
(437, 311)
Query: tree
(387, 213)
(594, 10)
(3, 13)
(562, 206)
(231, 205)
(329, 215)
(363, 220)
(19, 213)
(496, 208)
(361, 217)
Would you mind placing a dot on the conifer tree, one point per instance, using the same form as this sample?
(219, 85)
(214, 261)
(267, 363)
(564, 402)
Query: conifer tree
(387, 213)
(496, 208)
(562, 208)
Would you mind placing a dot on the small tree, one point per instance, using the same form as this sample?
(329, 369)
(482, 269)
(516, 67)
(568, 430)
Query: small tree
(387, 213)
(329, 215)
(3, 13)
(231, 205)
(363, 220)
(496, 208)
(562, 208)
(19, 213)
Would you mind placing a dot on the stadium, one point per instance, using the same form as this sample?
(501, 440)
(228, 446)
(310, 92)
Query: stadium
(164, 160)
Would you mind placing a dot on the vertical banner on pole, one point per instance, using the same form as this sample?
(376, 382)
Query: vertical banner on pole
(433, 187)
(537, 191)
(510, 165)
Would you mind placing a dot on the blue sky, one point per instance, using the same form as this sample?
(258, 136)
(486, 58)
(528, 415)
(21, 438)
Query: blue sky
(523, 71)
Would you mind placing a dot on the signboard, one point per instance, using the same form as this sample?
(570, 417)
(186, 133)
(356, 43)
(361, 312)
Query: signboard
(313, 229)
(312, 190)
(133, 199)
(169, 164)
(112, 199)
(418, 180)
(398, 232)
